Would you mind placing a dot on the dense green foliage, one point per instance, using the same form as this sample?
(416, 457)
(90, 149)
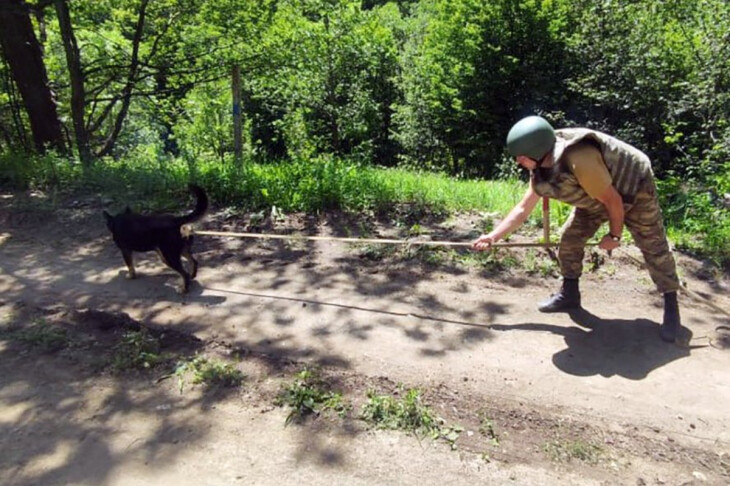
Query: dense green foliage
(332, 88)
(435, 83)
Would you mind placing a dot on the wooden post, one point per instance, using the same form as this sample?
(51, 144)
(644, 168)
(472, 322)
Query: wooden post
(237, 144)
(546, 220)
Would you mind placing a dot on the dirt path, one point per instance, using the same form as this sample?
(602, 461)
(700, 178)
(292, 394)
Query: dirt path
(598, 380)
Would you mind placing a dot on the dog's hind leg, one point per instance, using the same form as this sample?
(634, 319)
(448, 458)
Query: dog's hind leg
(129, 260)
(172, 258)
(187, 252)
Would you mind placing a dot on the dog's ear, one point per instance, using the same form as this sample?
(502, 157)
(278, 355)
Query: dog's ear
(128, 210)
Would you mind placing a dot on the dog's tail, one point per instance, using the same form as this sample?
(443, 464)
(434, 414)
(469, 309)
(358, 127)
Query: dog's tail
(201, 206)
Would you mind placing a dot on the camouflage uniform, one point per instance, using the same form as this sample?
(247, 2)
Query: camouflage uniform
(632, 177)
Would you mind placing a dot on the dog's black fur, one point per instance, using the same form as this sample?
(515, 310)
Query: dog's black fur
(136, 232)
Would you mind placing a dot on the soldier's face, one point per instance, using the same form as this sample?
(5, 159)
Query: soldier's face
(526, 162)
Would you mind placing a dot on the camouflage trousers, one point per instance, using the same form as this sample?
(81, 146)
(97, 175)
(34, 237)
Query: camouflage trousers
(643, 219)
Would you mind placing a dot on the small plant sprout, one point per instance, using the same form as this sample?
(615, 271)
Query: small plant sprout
(137, 350)
(486, 428)
(310, 394)
(209, 373)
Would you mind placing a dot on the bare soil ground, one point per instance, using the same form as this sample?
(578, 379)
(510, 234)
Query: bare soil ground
(594, 397)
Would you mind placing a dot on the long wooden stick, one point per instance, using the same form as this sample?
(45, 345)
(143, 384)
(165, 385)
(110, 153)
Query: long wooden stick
(265, 236)
(546, 220)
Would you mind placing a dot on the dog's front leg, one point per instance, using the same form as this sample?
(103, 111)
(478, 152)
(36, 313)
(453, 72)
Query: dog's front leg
(129, 260)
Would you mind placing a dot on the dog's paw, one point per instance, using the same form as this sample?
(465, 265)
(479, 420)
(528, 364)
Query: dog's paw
(131, 276)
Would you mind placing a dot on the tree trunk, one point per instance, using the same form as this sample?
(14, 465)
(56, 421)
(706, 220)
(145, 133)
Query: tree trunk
(78, 93)
(237, 130)
(24, 56)
(131, 80)
(168, 116)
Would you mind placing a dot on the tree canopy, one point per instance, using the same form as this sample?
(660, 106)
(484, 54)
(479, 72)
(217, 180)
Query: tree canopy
(431, 84)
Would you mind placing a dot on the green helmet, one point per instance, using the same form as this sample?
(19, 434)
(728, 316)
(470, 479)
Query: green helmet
(532, 136)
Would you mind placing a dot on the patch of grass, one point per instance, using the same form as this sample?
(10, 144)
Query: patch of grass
(609, 269)
(376, 252)
(404, 413)
(40, 334)
(138, 350)
(537, 263)
(497, 260)
(209, 373)
(310, 394)
(450, 434)
(430, 255)
(486, 428)
(568, 450)
(408, 413)
(415, 230)
(485, 224)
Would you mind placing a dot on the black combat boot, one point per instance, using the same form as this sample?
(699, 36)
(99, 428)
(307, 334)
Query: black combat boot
(567, 298)
(671, 323)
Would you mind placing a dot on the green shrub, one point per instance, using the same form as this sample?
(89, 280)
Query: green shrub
(310, 394)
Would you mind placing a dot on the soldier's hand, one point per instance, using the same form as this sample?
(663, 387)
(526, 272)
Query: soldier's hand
(483, 243)
(609, 244)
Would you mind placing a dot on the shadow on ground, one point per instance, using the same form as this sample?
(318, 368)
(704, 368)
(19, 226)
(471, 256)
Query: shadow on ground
(630, 348)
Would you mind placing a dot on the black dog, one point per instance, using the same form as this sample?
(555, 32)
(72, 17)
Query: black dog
(136, 232)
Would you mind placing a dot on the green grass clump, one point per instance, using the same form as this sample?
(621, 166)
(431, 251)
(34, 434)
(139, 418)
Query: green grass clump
(408, 413)
(568, 450)
(42, 335)
(209, 373)
(538, 263)
(137, 350)
(309, 394)
(486, 428)
(497, 260)
(404, 413)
